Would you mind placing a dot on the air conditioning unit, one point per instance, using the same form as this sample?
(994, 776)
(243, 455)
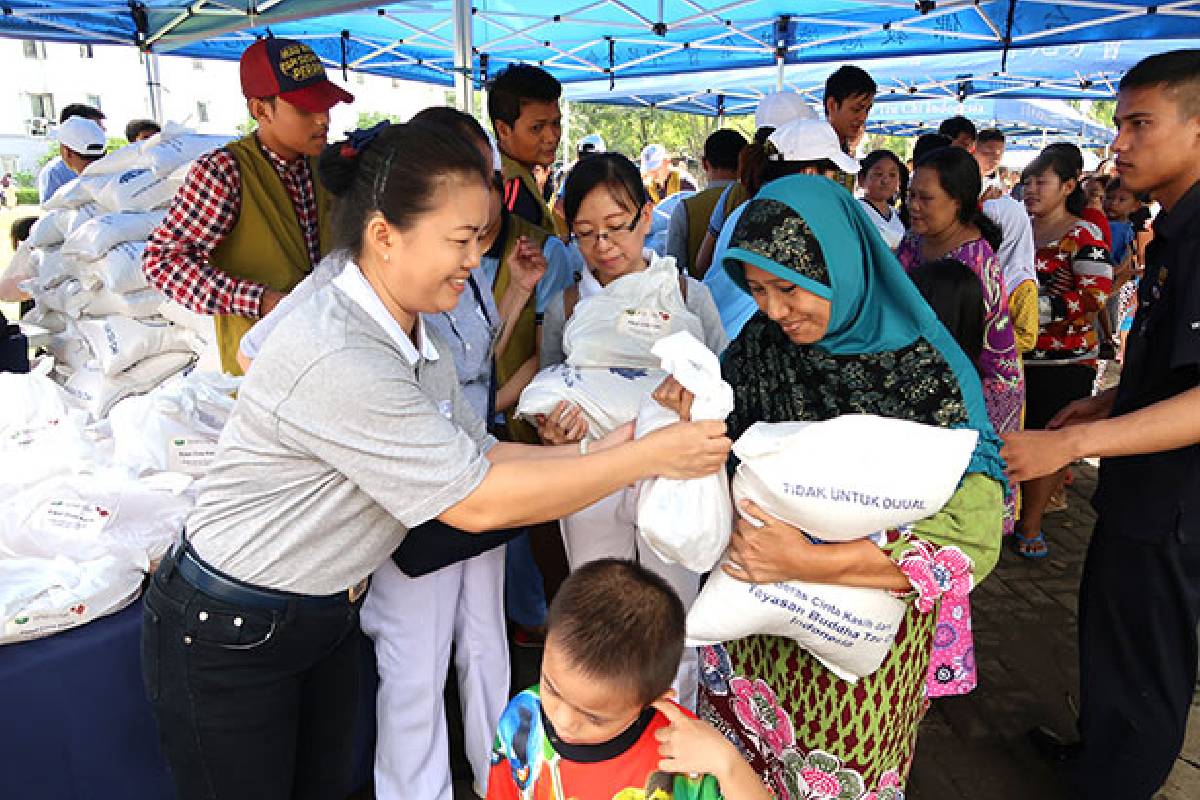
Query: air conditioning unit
(37, 126)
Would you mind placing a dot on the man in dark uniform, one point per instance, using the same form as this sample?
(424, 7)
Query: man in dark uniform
(1140, 596)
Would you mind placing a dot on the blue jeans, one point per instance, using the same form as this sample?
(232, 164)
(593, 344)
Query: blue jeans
(251, 702)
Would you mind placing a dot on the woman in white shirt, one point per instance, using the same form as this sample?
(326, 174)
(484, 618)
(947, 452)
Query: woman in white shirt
(884, 178)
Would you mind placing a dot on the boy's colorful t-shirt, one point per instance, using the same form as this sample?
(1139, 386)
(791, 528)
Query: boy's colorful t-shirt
(530, 762)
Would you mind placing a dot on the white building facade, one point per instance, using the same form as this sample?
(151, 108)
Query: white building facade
(204, 95)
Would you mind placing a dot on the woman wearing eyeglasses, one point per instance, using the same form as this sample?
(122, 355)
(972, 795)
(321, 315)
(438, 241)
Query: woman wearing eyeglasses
(609, 215)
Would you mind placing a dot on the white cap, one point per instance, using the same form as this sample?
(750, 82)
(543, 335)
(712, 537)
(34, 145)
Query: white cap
(83, 136)
(592, 143)
(811, 140)
(780, 108)
(653, 155)
(497, 165)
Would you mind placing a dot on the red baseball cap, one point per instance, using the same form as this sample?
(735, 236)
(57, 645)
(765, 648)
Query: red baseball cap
(291, 70)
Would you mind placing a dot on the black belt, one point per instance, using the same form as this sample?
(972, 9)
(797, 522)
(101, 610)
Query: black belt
(222, 587)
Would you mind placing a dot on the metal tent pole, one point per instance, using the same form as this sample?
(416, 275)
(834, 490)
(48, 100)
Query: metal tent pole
(464, 86)
(153, 86)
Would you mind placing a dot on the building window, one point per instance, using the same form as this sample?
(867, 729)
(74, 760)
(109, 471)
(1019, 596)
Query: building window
(42, 105)
(201, 112)
(396, 83)
(33, 49)
(361, 78)
(197, 65)
(86, 51)
(93, 100)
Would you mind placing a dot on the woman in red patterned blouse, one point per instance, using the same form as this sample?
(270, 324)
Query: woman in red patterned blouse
(1074, 272)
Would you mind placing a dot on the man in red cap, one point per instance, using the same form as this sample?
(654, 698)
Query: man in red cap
(252, 218)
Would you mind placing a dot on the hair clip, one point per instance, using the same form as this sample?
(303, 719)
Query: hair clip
(361, 139)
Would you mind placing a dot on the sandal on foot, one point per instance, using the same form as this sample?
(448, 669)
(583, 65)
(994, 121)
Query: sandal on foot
(1031, 546)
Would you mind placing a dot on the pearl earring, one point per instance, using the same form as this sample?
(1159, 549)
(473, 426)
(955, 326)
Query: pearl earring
(387, 257)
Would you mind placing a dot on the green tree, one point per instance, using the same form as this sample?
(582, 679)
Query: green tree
(369, 119)
(627, 130)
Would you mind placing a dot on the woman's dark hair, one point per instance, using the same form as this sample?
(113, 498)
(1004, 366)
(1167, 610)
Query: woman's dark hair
(958, 175)
(875, 157)
(613, 171)
(955, 294)
(1066, 161)
(758, 165)
(396, 172)
(460, 122)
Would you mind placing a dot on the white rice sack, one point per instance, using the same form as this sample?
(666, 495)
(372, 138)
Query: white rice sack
(119, 270)
(94, 238)
(170, 153)
(687, 522)
(848, 477)
(140, 304)
(618, 326)
(202, 325)
(120, 342)
(174, 428)
(71, 219)
(608, 397)
(42, 596)
(53, 321)
(848, 629)
(47, 231)
(65, 295)
(20, 268)
(72, 194)
(93, 391)
(70, 350)
(134, 190)
(122, 159)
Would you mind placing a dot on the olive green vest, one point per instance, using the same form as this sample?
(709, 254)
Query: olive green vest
(699, 209)
(266, 244)
(511, 168)
(673, 185)
(522, 343)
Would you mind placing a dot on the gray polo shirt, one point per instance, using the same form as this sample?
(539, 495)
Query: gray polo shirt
(344, 436)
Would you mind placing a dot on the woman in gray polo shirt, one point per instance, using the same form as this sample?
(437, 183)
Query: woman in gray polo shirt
(349, 431)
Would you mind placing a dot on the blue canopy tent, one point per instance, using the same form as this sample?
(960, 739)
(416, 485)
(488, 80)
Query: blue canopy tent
(619, 41)
(1017, 118)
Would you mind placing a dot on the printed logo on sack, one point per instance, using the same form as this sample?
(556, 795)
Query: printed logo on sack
(628, 373)
(126, 177)
(21, 621)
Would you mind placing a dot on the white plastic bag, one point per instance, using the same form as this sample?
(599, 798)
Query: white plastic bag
(848, 629)
(174, 428)
(120, 342)
(95, 392)
(848, 477)
(608, 397)
(94, 238)
(42, 596)
(134, 190)
(119, 270)
(20, 269)
(687, 522)
(618, 326)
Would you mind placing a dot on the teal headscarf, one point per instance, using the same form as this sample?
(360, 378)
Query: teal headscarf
(809, 231)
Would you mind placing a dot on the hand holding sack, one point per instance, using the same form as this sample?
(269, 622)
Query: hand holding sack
(687, 522)
(838, 480)
(608, 397)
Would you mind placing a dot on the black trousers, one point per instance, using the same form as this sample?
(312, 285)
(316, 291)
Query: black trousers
(1139, 604)
(251, 703)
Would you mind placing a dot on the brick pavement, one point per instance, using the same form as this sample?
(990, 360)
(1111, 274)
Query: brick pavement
(1024, 618)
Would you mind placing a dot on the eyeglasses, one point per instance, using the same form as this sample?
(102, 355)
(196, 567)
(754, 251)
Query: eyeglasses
(591, 239)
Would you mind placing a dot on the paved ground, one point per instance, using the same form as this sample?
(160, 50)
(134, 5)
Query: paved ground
(1024, 619)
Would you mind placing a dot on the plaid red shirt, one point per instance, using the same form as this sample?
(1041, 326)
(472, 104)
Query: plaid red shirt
(204, 211)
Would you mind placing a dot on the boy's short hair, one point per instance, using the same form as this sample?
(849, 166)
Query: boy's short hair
(956, 126)
(516, 85)
(80, 110)
(617, 621)
(19, 230)
(722, 148)
(1177, 71)
(990, 135)
(849, 81)
(136, 127)
(927, 143)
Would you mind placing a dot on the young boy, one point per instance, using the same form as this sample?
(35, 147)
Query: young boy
(601, 726)
(252, 218)
(523, 106)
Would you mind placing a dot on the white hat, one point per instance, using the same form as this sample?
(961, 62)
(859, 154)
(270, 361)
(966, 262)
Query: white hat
(592, 143)
(811, 140)
(780, 108)
(83, 136)
(653, 155)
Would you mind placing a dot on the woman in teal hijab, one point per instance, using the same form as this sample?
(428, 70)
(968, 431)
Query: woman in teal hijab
(841, 329)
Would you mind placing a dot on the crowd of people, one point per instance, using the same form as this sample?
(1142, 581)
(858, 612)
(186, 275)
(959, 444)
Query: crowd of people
(389, 296)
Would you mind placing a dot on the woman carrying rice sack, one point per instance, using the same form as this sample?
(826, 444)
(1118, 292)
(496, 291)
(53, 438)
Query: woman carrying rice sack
(349, 432)
(608, 212)
(843, 330)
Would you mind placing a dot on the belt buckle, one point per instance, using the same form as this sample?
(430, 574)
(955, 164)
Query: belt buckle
(358, 590)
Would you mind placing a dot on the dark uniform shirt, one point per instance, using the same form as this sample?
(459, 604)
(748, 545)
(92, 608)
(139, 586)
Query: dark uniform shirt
(1156, 495)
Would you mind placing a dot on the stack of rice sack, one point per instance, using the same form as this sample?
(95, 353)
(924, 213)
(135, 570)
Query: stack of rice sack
(113, 334)
(86, 508)
(610, 368)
